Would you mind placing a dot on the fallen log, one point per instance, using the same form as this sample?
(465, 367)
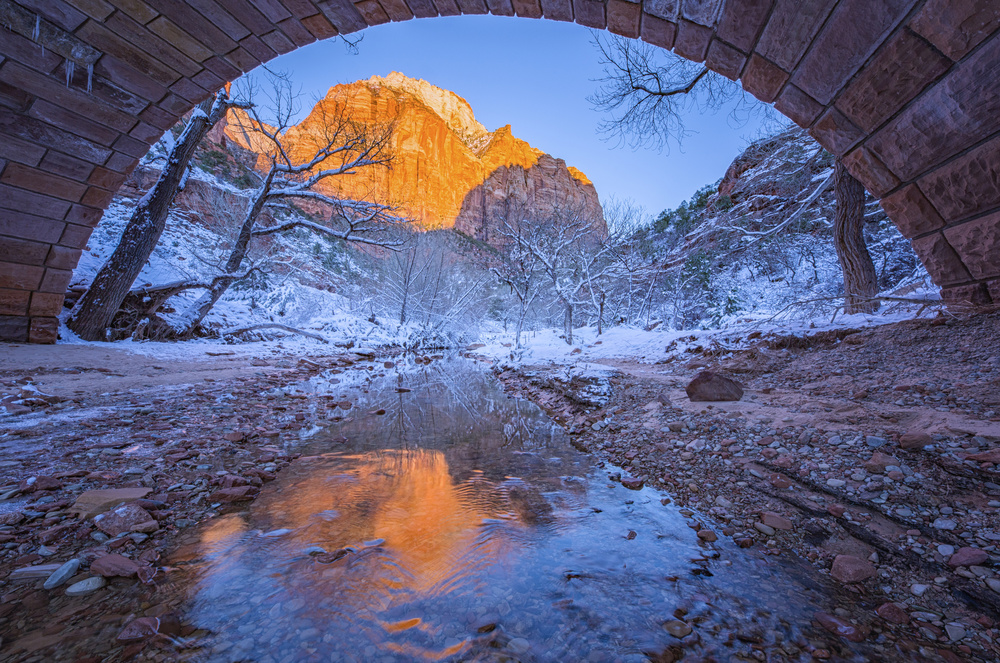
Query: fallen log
(275, 325)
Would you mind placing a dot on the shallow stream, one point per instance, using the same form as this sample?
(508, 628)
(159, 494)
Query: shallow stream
(462, 525)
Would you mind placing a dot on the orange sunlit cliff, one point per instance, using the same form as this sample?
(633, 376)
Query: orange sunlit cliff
(447, 171)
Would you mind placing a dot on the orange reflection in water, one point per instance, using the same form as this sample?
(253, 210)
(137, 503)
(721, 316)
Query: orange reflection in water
(430, 525)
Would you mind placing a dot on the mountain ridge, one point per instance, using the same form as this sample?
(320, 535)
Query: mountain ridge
(445, 162)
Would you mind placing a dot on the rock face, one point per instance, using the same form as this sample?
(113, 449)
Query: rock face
(447, 170)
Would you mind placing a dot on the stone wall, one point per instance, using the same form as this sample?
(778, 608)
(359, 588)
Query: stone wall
(907, 91)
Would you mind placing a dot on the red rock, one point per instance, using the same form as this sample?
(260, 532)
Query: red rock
(123, 519)
(850, 569)
(967, 557)
(779, 481)
(140, 629)
(843, 628)
(632, 484)
(895, 475)
(114, 565)
(893, 613)
(235, 437)
(233, 481)
(836, 510)
(235, 494)
(31, 484)
(55, 533)
(915, 440)
(991, 456)
(878, 462)
(712, 386)
(772, 519)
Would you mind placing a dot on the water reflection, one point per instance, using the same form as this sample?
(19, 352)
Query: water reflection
(461, 525)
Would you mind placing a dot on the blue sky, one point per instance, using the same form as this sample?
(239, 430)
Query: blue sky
(534, 75)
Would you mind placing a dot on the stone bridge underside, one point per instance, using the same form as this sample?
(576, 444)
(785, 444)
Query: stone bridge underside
(907, 91)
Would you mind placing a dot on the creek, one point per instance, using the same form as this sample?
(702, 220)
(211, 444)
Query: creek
(441, 520)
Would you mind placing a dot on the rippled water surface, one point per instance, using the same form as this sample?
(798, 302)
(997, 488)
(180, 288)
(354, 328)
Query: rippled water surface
(462, 525)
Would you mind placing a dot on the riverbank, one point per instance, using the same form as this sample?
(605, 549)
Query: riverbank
(876, 447)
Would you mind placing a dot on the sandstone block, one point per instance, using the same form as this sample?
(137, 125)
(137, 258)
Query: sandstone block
(871, 172)
(940, 259)
(835, 132)
(798, 106)
(763, 79)
(898, 72)
(741, 22)
(912, 213)
(978, 245)
(692, 41)
(955, 27)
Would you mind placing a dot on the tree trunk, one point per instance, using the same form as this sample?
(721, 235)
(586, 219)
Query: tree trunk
(860, 279)
(93, 314)
(204, 304)
(568, 323)
(600, 317)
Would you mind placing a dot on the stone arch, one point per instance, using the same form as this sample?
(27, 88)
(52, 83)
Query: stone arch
(906, 91)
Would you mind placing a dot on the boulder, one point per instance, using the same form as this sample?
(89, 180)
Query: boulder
(894, 613)
(113, 565)
(235, 494)
(878, 462)
(775, 521)
(914, 440)
(125, 518)
(851, 569)
(93, 502)
(712, 386)
(967, 557)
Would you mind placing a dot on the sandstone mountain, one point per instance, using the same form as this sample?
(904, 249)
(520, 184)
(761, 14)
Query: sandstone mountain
(448, 171)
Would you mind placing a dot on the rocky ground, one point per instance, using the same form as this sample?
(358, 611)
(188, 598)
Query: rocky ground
(873, 454)
(176, 440)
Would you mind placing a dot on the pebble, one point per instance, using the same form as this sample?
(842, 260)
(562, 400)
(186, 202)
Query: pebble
(91, 584)
(954, 631)
(836, 483)
(764, 529)
(945, 549)
(519, 645)
(918, 589)
(677, 628)
(62, 574)
(875, 442)
(944, 523)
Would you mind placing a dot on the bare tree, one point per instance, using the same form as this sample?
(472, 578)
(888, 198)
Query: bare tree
(344, 147)
(646, 91)
(860, 278)
(95, 310)
(569, 253)
(518, 268)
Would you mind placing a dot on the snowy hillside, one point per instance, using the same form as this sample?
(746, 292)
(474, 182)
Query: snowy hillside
(758, 243)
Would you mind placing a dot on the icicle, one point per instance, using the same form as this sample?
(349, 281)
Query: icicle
(70, 69)
(38, 28)
(90, 76)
